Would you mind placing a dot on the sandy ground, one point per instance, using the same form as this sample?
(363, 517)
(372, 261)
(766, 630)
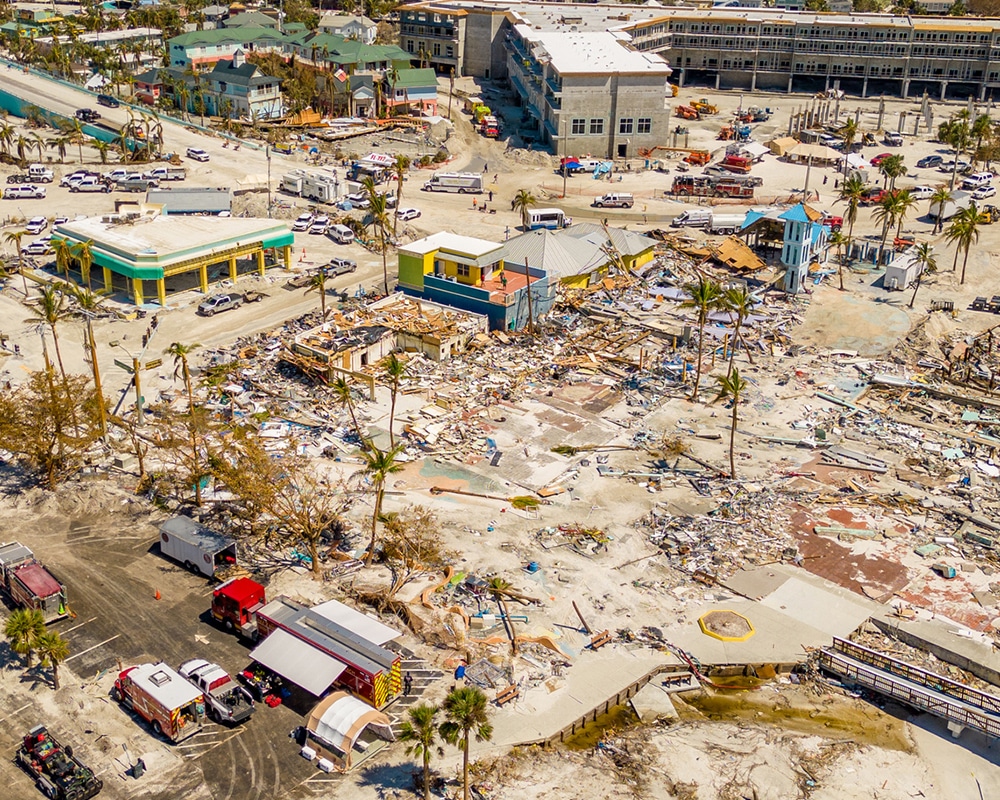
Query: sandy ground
(730, 756)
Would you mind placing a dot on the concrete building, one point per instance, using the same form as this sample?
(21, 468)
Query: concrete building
(471, 274)
(588, 93)
(145, 253)
(859, 53)
(214, 200)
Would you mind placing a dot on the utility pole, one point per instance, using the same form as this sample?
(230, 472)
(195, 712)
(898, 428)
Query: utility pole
(565, 168)
(138, 391)
(531, 318)
(267, 152)
(92, 347)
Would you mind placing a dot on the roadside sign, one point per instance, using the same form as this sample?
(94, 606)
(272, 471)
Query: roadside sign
(124, 366)
(154, 363)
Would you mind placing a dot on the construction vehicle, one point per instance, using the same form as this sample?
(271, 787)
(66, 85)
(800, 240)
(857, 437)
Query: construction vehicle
(29, 584)
(698, 158)
(59, 774)
(735, 163)
(702, 106)
(869, 140)
(174, 708)
(989, 214)
(225, 700)
(687, 112)
(758, 114)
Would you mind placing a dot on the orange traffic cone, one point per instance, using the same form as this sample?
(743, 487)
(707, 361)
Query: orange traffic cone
(157, 595)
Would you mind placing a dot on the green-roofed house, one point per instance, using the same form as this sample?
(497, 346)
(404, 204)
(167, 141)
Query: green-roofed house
(251, 19)
(354, 57)
(415, 90)
(202, 50)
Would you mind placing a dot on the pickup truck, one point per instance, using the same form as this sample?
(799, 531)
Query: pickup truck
(58, 773)
(219, 302)
(91, 183)
(340, 266)
(165, 174)
(225, 699)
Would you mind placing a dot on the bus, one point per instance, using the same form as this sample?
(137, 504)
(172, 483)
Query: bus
(547, 218)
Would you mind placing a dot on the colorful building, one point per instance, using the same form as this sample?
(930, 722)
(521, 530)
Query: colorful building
(201, 50)
(471, 274)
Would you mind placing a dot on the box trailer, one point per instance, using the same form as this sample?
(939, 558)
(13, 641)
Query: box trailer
(291, 182)
(958, 201)
(323, 188)
(461, 182)
(198, 548)
(29, 584)
(172, 706)
(726, 223)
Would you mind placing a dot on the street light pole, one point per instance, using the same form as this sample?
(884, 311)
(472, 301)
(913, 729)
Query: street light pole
(138, 391)
(92, 346)
(267, 151)
(565, 168)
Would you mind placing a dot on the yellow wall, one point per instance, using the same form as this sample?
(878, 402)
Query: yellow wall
(637, 261)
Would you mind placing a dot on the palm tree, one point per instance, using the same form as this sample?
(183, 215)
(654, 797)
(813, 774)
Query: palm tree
(342, 393)
(15, 237)
(180, 352)
(886, 214)
(702, 296)
(500, 588)
(731, 386)
(964, 231)
(24, 628)
(61, 144)
(905, 202)
(379, 215)
(891, 168)
(982, 127)
(838, 239)
(420, 733)
(393, 370)
(399, 168)
(51, 310)
(850, 192)
(849, 133)
(52, 651)
(941, 197)
(465, 709)
(317, 283)
(64, 255)
(740, 302)
(924, 255)
(102, 149)
(379, 465)
(955, 132)
(84, 253)
(523, 201)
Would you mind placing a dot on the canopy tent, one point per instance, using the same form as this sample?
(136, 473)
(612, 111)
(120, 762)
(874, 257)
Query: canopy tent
(338, 720)
(782, 145)
(817, 152)
(298, 661)
(756, 150)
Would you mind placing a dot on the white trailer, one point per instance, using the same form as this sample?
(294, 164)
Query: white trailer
(726, 223)
(198, 548)
(292, 182)
(461, 182)
(959, 200)
(321, 187)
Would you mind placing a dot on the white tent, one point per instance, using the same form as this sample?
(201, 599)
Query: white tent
(756, 150)
(339, 720)
(817, 152)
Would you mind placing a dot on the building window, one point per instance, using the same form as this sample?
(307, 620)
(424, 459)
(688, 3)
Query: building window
(645, 125)
(597, 126)
(437, 48)
(409, 46)
(625, 126)
(579, 127)
(464, 270)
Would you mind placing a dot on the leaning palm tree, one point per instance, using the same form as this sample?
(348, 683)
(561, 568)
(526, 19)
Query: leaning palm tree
(53, 650)
(14, 238)
(732, 386)
(393, 370)
(465, 709)
(964, 231)
(399, 168)
(849, 133)
(342, 393)
(923, 254)
(83, 252)
(941, 197)
(703, 296)
(739, 303)
(23, 628)
(51, 309)
(378, 213)
(523, 201)
(64, 256)
(500, 588)
(420, 734)
(180, 352)
(905, 202)
(378, 466)
(886, 214)
(317, 283)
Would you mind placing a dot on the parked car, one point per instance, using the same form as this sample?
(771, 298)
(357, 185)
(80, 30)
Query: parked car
(983, 192)
(197, 154)
(930, 161)
(341, 234)
(340, 266)
(220, 302)
(358, 199)
(879, 159)
(59, 221)
(92, 183)
(107, 100)
(319, 226)
(27, 191)
(872, 196)
(75, 177)
(87, 115)
(36, 225)
(408, 213)
(977, 181)
(302, 222)
(921, 192)
(39, 247)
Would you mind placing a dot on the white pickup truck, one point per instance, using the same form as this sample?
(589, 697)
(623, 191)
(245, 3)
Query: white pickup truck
(225, 699)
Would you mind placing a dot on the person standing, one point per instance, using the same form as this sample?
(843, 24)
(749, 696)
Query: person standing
(407, 684)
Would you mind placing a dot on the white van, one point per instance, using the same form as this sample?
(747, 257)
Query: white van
(693, 218)
(341, 234)
(615, 200)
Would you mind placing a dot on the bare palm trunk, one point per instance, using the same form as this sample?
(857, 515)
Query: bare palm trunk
(55, 676)
(916, 288)
(375, 515)
(194, 437)
(732, 441)
(965, 261)
(701, 344)
(392, 413)
(465, 767)
(427, 775)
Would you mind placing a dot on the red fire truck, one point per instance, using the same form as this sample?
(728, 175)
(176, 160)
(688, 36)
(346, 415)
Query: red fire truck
(710, 186)
(172, 706)
(29, 584)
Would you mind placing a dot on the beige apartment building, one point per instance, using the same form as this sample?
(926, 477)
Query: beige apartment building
(861, 54)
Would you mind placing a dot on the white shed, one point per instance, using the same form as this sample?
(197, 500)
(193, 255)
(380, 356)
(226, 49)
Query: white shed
(902, 271)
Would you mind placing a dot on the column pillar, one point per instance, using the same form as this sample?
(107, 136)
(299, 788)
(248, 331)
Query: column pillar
(137, 291)
(753, 82)
(680, 80)
(203, 278)
(864, 87)
(718, 78)
(906, 88)
(982, 93)
(287, 254)
(790, 84)
(161, 291)
(108, 277)
(232, 268)
(260, 262)
(944, 89)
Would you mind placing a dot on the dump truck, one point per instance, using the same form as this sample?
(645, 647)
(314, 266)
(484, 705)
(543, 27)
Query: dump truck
(225, 700)
(950, 208)
(29, 584)
(59, 774)
(198, 548)
(698, 158)
(174, 708)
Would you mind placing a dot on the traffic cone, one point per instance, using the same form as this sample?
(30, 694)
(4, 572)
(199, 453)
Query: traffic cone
(157, 595)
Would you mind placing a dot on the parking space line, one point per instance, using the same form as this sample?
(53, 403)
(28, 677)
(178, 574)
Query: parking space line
(99, 644)
(15, 713)
(80, 625)
(212, 746)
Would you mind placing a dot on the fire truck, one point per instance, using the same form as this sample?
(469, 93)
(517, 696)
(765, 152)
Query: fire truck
(710, 186)
(172, 706)
(29, 584)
